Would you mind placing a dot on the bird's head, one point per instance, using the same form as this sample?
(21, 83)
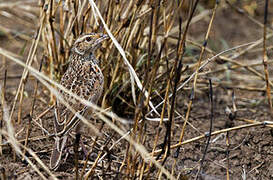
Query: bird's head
(88, 43)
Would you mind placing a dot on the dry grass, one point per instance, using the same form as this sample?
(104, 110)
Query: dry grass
(145, 63)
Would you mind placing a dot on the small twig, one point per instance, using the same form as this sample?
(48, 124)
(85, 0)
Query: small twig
(91, 171)
(238, 63)
(89, 153)
(31, 113)
(231, 116)
(29, 61)
(210, 129)
(265, 58)
(122, 52)
(35, 90)
(264, 123)
(242, 11)
(38, 138)
(201, 67)
(256, 167)
(177, 74)
(87, 158)
(252, 121)
(3, 97)
(27, 136)
(76, 155)
(196, 73)
(227, 154)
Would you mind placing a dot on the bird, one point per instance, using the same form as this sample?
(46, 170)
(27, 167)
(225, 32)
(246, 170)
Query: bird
(84, 78)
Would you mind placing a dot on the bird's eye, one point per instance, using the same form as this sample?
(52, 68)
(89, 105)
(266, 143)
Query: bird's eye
(88, 39)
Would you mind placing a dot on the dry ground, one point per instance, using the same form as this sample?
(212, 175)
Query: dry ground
(250, 149)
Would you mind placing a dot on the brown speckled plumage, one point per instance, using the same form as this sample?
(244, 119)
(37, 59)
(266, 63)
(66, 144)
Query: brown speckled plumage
(84, 78)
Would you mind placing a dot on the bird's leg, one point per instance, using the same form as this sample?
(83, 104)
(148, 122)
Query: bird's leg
(76, 155)
(67, 149)
(66, 154)
(78, 130)
(84, 149)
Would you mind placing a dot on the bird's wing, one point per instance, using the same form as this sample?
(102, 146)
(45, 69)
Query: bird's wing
(87, 83)
(65, 120)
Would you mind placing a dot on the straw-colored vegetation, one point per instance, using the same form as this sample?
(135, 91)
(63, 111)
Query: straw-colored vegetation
(158, 68)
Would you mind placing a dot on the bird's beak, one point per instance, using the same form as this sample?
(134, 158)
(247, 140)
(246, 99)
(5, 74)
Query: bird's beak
(101, 38)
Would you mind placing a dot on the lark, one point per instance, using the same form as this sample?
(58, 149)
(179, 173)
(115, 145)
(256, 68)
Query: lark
(84, 78)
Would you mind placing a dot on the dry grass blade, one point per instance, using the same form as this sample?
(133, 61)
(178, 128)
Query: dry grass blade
(265, 59)
(152, 116)
(131, 69)
(209, 132)
(206, 62)
(12, 140)
(140, 148)
(252, 124)
(25, 73)
(3, 101)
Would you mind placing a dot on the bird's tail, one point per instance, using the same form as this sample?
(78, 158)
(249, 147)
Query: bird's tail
(56, 156)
